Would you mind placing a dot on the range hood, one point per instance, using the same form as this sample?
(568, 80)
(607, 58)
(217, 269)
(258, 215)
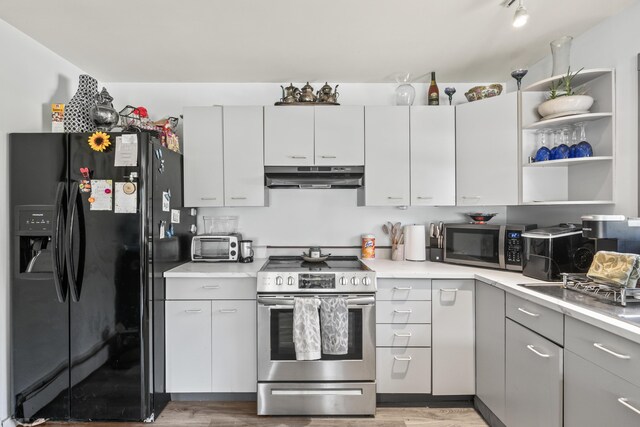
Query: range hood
(316, 177)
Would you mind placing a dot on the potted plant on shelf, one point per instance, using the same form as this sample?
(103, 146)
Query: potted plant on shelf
(564, 100)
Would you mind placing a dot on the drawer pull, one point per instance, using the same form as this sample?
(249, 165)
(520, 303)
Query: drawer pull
(625, 402)
(208, 198)
(229, 310)
(402, 359)
(211, 287)
(407, 335)
(532, 348)
(193, 311)
(238, 198)
(449, 290)
(402, 311)
(470, 197)
(402, 288)
(328, 157)
(528, 313)
(425, 197)
(611, 352)
(394, 198)
(298, 157)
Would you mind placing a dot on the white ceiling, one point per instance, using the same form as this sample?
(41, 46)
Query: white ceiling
(299, 40)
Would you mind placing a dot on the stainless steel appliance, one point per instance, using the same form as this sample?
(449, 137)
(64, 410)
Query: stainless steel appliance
(333, 385)
(245, 251)
(485, 245)
(613, 232)
(215, 248)
(553, 250)
(87, 286)
(314, 177)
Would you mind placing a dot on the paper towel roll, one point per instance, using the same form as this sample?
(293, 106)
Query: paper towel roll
(415, 242)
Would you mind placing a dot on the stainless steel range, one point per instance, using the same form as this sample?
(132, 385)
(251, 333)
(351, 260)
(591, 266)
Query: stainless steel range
(335, 384)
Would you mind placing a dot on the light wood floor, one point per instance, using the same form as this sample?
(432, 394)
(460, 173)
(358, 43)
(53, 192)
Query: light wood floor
(243, 414)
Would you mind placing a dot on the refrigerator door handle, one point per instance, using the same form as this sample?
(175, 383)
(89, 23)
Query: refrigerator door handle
(73, 271)
(57, 241)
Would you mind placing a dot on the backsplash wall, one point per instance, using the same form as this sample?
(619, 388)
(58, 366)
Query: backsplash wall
(328, 218)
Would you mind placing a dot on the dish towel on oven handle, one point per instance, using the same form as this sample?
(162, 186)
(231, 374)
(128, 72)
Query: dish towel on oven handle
(306, 328)
(334, 314)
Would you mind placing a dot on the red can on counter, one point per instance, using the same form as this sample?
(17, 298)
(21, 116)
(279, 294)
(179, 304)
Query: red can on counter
(368, 246)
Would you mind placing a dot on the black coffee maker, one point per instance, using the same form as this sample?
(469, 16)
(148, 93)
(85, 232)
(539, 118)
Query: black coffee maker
(553, 250)
(613, 232)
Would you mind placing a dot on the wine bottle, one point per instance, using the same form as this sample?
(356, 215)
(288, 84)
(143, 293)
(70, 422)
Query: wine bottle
(434, 92)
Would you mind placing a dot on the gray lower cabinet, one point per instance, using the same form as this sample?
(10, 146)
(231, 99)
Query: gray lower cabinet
(534, 371)
(490, 347)
(596, 397)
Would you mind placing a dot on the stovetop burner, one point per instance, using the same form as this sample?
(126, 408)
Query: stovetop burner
(297, 264)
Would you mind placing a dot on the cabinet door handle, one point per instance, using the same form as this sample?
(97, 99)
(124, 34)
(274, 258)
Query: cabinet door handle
(528, 313)
(402, 288)
(208, 198)
(449, 290)
(470, 197)
(238, 198)
(328, 157)
(211, 287)
(532, 348)
(403, 311)
(625, 402)
(394, 198)
(425, 197)
(402, 359)
(298, 157)
(407, 335)
(193, 311)
(229, 310)
(611, 352)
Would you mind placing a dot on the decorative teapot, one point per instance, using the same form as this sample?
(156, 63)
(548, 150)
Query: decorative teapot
(102, 112)
(306, 94)
(327, 94)
(290, 94)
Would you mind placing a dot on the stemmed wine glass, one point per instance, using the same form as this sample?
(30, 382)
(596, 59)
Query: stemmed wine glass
(449, 91)
(583, 149)
(519, 75)
(543, 153)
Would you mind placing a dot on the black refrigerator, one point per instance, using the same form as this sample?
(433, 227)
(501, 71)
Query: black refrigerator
(92, 233)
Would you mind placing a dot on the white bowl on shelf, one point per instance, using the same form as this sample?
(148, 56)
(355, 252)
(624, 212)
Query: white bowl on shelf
(565, 105)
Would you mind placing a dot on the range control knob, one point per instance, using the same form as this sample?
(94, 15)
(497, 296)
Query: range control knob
(366, 281)
(354, 281)
(343, 281)
(290, 281)
(279, 280)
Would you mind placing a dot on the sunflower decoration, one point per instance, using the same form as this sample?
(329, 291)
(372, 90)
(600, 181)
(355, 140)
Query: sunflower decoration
(99, 141)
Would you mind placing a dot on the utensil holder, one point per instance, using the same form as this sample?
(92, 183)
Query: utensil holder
(436, 254)
(397, 253)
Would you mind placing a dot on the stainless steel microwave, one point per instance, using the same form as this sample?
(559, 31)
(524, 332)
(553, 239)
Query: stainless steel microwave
(215, 248)
(485, 245)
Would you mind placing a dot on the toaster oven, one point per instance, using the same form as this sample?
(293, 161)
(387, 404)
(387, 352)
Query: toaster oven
(215, 248)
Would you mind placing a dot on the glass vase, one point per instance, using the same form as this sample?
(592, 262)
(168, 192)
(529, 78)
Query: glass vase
(405, 92)
(561, 51)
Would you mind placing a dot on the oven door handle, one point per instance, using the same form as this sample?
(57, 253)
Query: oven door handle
(288, 302)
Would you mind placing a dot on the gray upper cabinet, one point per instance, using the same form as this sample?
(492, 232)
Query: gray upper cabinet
(243, 156)
(487, 137)
(387, 178)
(339, 135)
(288, 136)
(490, 347)
(203, 165)
(534, 371)
(433, 156)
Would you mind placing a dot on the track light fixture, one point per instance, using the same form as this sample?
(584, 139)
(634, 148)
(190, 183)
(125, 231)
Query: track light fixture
(521, 16)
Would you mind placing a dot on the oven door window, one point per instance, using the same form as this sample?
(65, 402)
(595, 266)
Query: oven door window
(282, 347)
(473, 245)
(214, 248)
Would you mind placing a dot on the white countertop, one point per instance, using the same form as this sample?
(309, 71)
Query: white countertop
(507, 281)
(217, 269)
(387, 269)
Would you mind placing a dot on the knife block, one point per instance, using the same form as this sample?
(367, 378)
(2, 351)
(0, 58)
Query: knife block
(436, 254)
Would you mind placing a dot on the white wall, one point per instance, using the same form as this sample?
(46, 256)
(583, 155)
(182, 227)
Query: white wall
(614, 43)
(31, 78)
